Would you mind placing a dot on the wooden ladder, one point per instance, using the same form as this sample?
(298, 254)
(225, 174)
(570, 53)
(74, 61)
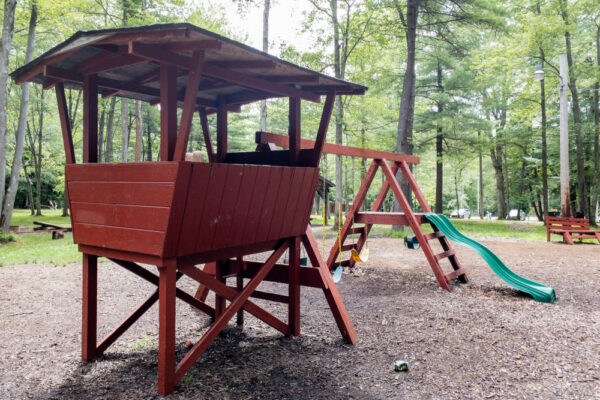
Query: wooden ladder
(407, 217)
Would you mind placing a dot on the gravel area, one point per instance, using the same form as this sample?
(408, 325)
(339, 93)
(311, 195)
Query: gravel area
(482, 341)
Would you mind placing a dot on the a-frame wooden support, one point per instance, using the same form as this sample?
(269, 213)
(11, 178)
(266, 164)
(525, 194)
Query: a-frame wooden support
(407, 217)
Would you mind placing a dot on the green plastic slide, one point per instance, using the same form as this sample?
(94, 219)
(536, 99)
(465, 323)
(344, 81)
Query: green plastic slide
(538, 291)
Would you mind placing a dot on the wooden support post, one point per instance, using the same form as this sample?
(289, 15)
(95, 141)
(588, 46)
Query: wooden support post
(294, 287)
(90, 119)
(219, 300)
(221, 130)
(323, 126)
(168, 111)
(189, 105)
(239, 280)
(166, 327)
(65, 123)
(294, 129)
(206, 133)
(89, 302)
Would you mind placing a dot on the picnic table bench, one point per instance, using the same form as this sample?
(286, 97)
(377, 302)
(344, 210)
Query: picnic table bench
(570, 228)
(57, 230)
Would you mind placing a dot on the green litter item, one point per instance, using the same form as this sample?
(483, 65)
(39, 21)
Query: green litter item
(538, 291)
(400, 366)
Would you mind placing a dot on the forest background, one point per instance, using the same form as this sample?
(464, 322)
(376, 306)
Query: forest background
(449, 81)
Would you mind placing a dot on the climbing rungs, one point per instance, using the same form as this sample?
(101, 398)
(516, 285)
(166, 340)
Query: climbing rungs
(434, 235)
(455, 274)
(445, 254)
(345, 263)
(347, 247)
(359, 229)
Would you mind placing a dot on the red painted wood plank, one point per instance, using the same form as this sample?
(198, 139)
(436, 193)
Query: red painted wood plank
(89, 307)
(294, 287)
(189, 106)
(194, 207)
(133, 193)
(229, 202)
(266, 211)
(323, 126)
(128, 216)
(210, 214)
(283, 141)
(178, 204)
(141, 172)
(206, 134)
(65, 123)
(90, 119)
(127, 239)
(309, 187)
(259, 194)
(245, 201)
(221, 130)
(294, 115)
(290, 212)
(166, 328)
(277, 210)
(168, 111)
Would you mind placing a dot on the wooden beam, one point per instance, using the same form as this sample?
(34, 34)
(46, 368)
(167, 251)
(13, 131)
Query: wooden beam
(283, 141)
(40, 68)
(112, 62)
(168, 111)
(323, 126)
(184, 62)
(294, 287)
(245, 64)
(221, 130)
(206, 134)
(89, 303)
(290, 78)
(189, 106)
(90, 119)
(65, 123)
(207, 44)
(294, 130)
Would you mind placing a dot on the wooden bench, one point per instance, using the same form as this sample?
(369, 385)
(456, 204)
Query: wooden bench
(570, 228)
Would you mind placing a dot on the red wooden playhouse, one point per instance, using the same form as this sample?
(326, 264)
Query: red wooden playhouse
(176, 214)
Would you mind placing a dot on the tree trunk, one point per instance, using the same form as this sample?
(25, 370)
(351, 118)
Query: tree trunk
(339, 106)
(265, 47)
(148, 137)
(407, 102)
(545, 205)
(9, 199)
(124, 129)
(138, 131)
(110, 130)
(496, 156)
(29, 191)
(594, 201)
(38, 166)
(581, 195)
(101, 132)
(5, 44)
(480, 209)
(439, 147)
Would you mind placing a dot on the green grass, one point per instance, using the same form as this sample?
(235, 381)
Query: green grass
(24, 217)
(39, 247)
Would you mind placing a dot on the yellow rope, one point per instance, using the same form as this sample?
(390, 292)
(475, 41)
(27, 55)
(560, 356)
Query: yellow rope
(323, 230)
(340, 230)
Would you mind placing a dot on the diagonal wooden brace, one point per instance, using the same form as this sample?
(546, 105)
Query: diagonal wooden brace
(150, 277)
(211, 283)
(242, 297)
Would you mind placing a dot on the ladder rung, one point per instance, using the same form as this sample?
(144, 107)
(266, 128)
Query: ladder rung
(445, 254)
(358, 229)
(345, 263)
(347, 247)
(434, 235)
(455, 274)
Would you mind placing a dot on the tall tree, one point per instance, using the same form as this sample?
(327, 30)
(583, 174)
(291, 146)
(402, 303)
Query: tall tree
(9, 199)
(265, 47)
(8, 27)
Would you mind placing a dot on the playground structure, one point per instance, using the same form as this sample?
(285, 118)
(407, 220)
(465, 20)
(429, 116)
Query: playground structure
(176, 214)
(399, 162)
(570, 228)
(441, 226)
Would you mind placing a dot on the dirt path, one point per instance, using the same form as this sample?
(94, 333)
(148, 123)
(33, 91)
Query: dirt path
(483, 340)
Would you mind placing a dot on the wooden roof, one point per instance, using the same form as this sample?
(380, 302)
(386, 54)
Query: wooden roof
(127, 62)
